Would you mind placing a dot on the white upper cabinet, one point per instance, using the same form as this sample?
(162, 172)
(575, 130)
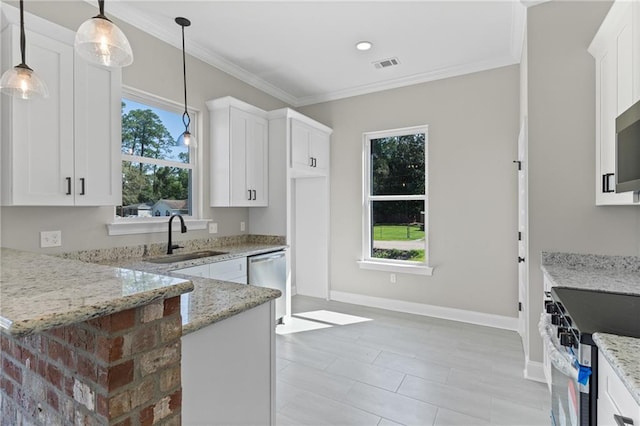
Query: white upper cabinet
(239, 154)
(62, 150)
(616, 49)
(309, 149)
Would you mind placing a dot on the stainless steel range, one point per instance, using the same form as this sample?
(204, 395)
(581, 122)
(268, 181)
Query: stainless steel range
(573, 315)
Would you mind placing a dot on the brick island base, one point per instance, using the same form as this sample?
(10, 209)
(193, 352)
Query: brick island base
(121, 369)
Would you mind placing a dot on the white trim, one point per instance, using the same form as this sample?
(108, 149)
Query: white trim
(471, 317)
(150, 225)
(534, 370)
(402, 268)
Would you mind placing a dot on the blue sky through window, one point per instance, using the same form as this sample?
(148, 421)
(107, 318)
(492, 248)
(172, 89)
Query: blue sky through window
(171, 120)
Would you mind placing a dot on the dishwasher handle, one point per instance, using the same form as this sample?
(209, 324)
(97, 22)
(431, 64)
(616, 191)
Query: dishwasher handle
(266, 257)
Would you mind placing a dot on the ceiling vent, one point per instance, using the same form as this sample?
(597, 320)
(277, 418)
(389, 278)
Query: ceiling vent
(385, 63)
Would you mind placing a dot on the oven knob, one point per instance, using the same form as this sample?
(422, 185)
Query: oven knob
(567, 339)
(562, 330)
(555, 319)
(549, 307)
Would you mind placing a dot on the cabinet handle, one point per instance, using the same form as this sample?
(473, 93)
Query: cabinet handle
(315, 162)
(249, 194)
(520, 259)
(68, 186)
(82, 186)
(255, 195)
(310, 161)
(605, 183)
(621, 421)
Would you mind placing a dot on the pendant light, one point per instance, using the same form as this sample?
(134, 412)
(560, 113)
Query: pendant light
(186, 137)
(100, 41)
(21, 81)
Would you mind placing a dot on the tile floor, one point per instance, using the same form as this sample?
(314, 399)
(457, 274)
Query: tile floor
(402, 369)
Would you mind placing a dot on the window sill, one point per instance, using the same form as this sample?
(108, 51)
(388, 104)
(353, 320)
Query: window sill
(124, 227)
(394, 267)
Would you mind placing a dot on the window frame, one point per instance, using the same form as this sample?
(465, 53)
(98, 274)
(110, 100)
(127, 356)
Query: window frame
(392, 265)
(142, 225)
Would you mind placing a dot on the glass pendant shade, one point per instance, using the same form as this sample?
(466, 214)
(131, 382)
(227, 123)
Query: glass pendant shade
(187, 139)
(23, 83)
(100, 41)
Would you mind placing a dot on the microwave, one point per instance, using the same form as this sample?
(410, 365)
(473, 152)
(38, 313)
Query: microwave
(628, 150)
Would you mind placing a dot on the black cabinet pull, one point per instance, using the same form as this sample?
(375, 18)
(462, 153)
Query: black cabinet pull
(315, 162)
(255, 195)
(310, 161)
(249, 194)
(82, 186)
(621, 421)
(520, 259)
(605, 183)
(519, 163)
(68, 186)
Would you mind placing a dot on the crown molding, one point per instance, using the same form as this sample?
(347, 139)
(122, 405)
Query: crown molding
(439, 74)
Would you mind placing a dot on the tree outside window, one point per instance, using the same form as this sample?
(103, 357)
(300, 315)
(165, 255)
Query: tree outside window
(395, 195)
(157, 172)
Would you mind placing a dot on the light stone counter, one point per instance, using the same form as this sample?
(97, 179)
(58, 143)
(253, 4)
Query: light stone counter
(211, 300)
(39, 292)
(619, 274)
(623, 353)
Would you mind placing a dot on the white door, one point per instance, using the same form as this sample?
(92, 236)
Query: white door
(300, 144)
(523, 232)
(240, 133)
(257, 161)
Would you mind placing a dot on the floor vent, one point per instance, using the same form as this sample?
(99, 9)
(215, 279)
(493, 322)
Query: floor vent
(385, 63)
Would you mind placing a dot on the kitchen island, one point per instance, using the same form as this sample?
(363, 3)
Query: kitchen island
(104, 344)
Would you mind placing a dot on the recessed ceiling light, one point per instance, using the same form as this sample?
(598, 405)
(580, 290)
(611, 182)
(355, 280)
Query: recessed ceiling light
(363, 45)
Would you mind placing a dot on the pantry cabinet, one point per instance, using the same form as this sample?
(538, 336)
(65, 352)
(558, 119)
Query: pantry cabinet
(63, 150)
(239, 154)
(309, 149)
(616, 50)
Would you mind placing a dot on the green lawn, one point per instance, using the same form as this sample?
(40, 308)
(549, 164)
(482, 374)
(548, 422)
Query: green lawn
(397, 233)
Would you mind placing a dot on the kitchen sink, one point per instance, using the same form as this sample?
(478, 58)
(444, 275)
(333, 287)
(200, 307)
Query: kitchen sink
(186, 256)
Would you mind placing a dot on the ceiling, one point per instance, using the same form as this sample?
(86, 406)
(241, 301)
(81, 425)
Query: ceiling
(303, 52)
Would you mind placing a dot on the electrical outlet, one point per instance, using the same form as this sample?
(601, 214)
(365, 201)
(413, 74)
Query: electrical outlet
(242, 226)
(213, 228)
(392, 278)
(50, 239)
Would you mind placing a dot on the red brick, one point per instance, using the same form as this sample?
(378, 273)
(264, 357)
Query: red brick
(119, 405)
(123, 320)
(59, 332)
(68, 386)
(110, 349)
(52, 399)
(143, 393)
(7, 386)
(125, 422)
(171, 329)
(25, 355)
(102, 405)
(102, 376)
(146, 416)
(12, 370)
(160, 358)
(120, 375)
(80, 338)
(55, 351)
(176, 400)
(87, 368)
(54, 376)
(42, 368)
(144, 339)
(169, 379)
(171, 306)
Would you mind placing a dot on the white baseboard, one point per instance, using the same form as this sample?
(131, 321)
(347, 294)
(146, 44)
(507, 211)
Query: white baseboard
(534, 370)
(472, 317)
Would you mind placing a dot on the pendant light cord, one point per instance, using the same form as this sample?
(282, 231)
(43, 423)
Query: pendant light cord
(23, 43)
(101, 7)
(186, 121)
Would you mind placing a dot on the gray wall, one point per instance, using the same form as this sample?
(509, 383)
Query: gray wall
(157, 69)
(561, 108)
(473, 129)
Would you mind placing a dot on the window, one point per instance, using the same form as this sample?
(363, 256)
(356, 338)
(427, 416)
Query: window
(160, 177)
(395, 231)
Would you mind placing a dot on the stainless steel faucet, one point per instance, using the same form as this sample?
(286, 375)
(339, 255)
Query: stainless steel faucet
(183, 229)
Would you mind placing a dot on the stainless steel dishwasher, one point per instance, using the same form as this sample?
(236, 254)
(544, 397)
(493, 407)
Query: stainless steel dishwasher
(270, 270)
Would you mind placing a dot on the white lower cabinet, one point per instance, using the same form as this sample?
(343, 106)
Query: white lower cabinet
(616, 405)
(228, 371)
(233, 270)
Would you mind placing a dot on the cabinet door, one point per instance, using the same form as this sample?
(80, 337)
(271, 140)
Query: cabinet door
(300, 145)
(239, 135)
(98, 177)
(320, 151)
(201, 271)
(38, 134)
(257, 162)
(614, 399)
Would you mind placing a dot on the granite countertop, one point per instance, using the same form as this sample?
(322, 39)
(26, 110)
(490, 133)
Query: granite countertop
(39, 292)
(623, 353)
(620, 274)
(211, 300)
